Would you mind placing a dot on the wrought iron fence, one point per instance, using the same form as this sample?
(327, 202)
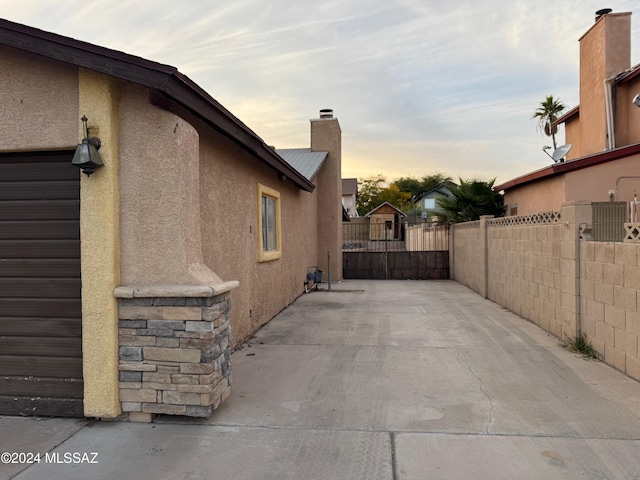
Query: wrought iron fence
(389, 236)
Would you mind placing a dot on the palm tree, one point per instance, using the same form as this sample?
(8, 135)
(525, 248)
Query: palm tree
(547, 113)
(470, 200)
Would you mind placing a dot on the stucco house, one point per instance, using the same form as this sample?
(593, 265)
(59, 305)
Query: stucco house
(350, 196)
(604, 130)
(123, 292)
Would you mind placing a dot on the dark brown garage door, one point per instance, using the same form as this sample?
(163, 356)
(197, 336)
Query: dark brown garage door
(40, 310)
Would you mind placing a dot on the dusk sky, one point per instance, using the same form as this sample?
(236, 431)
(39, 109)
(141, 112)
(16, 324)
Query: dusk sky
(419, 86)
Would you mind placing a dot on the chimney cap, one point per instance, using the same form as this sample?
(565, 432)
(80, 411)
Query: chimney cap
(326, 113)
(602, 11)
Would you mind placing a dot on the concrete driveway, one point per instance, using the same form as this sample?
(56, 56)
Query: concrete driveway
(376, 380)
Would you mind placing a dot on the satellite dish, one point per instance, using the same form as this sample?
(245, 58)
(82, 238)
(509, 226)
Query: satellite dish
(636, 100)
(561, 152)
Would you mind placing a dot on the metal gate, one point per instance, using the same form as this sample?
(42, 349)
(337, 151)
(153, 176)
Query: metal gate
(40, 293)
(419, 252)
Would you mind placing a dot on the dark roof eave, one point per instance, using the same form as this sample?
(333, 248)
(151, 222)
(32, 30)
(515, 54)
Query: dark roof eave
(572, 165)
(574, 112)
(157, 76)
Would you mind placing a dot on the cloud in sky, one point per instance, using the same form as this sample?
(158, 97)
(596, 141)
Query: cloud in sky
(419, 86)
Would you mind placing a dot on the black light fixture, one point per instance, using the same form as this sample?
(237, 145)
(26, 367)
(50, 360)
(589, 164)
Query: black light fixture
(87, 157)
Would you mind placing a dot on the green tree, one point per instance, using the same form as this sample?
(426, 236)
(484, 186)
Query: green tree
(369, 190)
(470, 200)
(415, 186)
(372, 191)
(547, 113)
(394, 196)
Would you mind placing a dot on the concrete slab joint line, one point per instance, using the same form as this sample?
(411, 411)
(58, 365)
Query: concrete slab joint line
(174, 353)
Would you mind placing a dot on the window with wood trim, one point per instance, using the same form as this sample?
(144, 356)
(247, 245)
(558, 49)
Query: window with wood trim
(270, 241)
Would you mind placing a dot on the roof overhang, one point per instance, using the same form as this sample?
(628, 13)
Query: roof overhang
(573, 165)
(161, 78)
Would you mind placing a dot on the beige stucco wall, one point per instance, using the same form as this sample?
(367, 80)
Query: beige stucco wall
(627, 115)
(100, 247)
(326, 137)
(42, 102)
(541, 196)
(604, 52)
(593, 183)
(39, 103)
(175, 204)
(230, 235)
(160, 200)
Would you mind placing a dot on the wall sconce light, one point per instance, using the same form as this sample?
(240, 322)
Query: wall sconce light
(87, 157)
(636, 100)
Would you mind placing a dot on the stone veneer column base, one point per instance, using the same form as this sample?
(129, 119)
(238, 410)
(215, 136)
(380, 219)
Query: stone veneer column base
(174, 356)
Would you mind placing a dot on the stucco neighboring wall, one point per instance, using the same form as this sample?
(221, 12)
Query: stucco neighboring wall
(39, 102)
(604, 52)
(230, 235)
(542, 196)
(594, 183)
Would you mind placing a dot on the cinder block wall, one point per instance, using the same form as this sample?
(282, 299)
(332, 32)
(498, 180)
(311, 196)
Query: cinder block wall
(466, 255)
(528, 275)
(610, 281)
(539, 268)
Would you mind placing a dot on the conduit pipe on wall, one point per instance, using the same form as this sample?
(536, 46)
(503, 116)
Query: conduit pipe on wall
(608, 105)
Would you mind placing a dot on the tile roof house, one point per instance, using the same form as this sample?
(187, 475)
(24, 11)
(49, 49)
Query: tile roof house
(116, 288)
(604, 130)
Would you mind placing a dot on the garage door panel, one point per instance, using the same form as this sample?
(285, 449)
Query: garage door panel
(41, 307)
(40, 267)
(46, 387)
(57, 367)
(38, 229)
(39, 249)
(50, 190)
(20, 168)
(44, 346)
(39, 210)
(42, 406)
(49, 327)
(40, 287)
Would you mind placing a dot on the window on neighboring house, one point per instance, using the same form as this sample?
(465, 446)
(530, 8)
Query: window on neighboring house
(270, 242)
(429, 203)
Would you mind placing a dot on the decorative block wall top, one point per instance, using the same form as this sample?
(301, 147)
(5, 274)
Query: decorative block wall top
(631, 233)
(534, 219)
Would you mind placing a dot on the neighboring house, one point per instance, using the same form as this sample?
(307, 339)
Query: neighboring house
(604, 130)
(349, 196)
(427, 203)
(115, 288)
(384, 222)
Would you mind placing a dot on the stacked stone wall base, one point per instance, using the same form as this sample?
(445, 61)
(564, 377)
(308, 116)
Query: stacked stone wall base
(174, 355)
